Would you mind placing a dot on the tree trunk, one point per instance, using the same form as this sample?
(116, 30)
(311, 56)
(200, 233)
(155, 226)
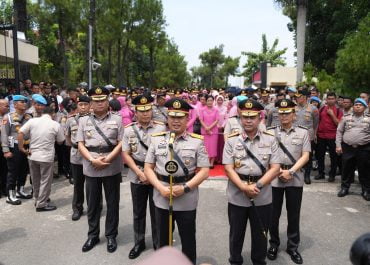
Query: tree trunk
(110, 63)
(124, 65)
(92, 23)
(119, 66)
(301, 36)
(151, 70)
(62, 46)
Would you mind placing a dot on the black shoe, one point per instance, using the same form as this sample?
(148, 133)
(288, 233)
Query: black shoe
(136, 251)
(90, 243)
(320, 176)
(111, 245)
(76, 215)
(295, 256)
(366, 195)
(343, 192)
(331, 179)
(46, 208)
(307, 180)
(272, 253)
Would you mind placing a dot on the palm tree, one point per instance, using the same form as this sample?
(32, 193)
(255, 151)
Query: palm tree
(269, 55)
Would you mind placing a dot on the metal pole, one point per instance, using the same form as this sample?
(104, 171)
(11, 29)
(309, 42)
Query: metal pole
(15, 58)
(90, 56)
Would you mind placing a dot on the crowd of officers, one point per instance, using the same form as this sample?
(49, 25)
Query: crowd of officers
(267, 155)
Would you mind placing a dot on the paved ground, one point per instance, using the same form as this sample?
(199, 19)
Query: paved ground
(328, 227)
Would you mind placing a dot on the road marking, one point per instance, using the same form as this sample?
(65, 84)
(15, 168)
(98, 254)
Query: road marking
(351, 210)
(329, 214)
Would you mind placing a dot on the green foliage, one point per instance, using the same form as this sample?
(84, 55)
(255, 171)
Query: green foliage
(353, 63)
(267, 54)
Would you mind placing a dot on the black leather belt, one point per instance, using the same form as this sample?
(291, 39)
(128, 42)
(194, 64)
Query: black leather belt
(358, 146)
(75, 145)
(102, 149)
(177, 179)
(285, 167)
(249, 178)
(138, 163)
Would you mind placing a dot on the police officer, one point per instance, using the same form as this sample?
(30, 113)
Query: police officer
(233, 125)
(193, 166)
(71, 127)
(307, 116)
(136, 140)
(39, 104)
(295, 147)
(16, 160)
(4, 109)
(159, 110)
(251, 162)
(272, 118)
(99, 142)
(353, 142)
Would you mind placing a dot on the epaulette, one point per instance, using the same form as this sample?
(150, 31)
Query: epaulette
(272, 127)
(233, 134)
(158, 122)
(197, 136)
(367, 114)
(28, 116)
(269, 133)
(130, 124)
(72, 115)
(347, 114)
(303, 127)
(114, 112)
(158, 134)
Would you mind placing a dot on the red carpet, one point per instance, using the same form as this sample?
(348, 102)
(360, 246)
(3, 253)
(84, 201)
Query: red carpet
(217, 172)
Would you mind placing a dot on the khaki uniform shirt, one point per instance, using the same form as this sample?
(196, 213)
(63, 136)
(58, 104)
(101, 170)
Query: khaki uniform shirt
(43, 132)
(160, 113)
(265, 148)
(297, 141)
(353, 130)
(11, 124)
(308, 116)
(61, 117)
(273, 118)
(233, 125)
(71, 128)
(132, 143)
(192, 152)
(111, 126)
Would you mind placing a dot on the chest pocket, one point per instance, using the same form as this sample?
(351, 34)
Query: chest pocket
(112, 131)
(349, 125)
(239, 152)
(264, 152)
(365, 124)
(161, 152)
(307, 116)
(74, 129)
(188, 156)
(133, 142)
(89, 132)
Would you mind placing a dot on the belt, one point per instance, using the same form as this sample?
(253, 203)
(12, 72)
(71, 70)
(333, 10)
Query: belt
(285, 167)
(75, 145)
(249, 178)
(138, 163)
(177, 179)
(102, 149)
(358, 146)
(24, 142)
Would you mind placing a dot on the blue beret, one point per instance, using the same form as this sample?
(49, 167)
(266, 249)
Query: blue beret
(292, 89)
(19, 98)
(361, 101)
(315, 99)
(241, 98)
(39, 99)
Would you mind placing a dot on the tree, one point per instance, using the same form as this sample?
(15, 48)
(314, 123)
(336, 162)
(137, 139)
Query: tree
(353, 63)
(267, 54)
(230, 68)
(211, 61)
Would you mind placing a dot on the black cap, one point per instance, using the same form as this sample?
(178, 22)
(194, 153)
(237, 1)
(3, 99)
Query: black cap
(83, 98)
(177, 107)
(98, 93)
(143, 102)
(117, 91)
(302, 92)
(285, 105)
(250, 107)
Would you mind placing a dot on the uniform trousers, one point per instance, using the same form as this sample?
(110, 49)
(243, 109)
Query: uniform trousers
(78, 187)
(63, 155)
(42, 178)
(293, 200)
(140, 194)
(3, 173)
(308, 166)
(322, 145)
(238, 218)
(111, 186)
(17, 169)
(186, 225)
(352, 157)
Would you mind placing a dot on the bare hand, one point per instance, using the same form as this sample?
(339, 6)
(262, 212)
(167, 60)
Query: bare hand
(25, 151)
(99, 163)
(143, 179)
(285, 175)
(330, 112)
(165, 192)
(177, 190)
(339, 150)
(8, 155)
(251, 190)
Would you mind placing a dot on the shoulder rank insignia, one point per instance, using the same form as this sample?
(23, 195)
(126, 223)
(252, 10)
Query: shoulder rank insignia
(158, 122)
(158, 134)
(272, 127)
(268, 133)
(130, 124)
(303, 127)
(233, 134)
(197, 136)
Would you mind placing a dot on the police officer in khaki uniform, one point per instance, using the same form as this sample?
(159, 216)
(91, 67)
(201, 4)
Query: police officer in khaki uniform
(16, 160)
(233, 125)
(159, 109)
(136, 140)
(193, 167)
(38, 105)
(295, 147)
(251, 162)
(71, 127)
(99, 138)
(353, 142)
(307, 116)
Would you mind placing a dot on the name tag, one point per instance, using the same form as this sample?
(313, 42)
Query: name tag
(111, 122)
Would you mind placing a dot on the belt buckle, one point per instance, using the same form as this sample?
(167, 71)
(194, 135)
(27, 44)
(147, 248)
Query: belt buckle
(355, 146)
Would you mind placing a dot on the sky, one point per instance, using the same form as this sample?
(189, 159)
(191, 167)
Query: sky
(198, 25)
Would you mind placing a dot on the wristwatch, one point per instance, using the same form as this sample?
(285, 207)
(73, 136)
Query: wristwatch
(291, 172)
(259, 185)
(186, 188)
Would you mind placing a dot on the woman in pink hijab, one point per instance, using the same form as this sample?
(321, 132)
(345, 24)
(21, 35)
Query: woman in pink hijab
(126, 113)
(222, 110)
